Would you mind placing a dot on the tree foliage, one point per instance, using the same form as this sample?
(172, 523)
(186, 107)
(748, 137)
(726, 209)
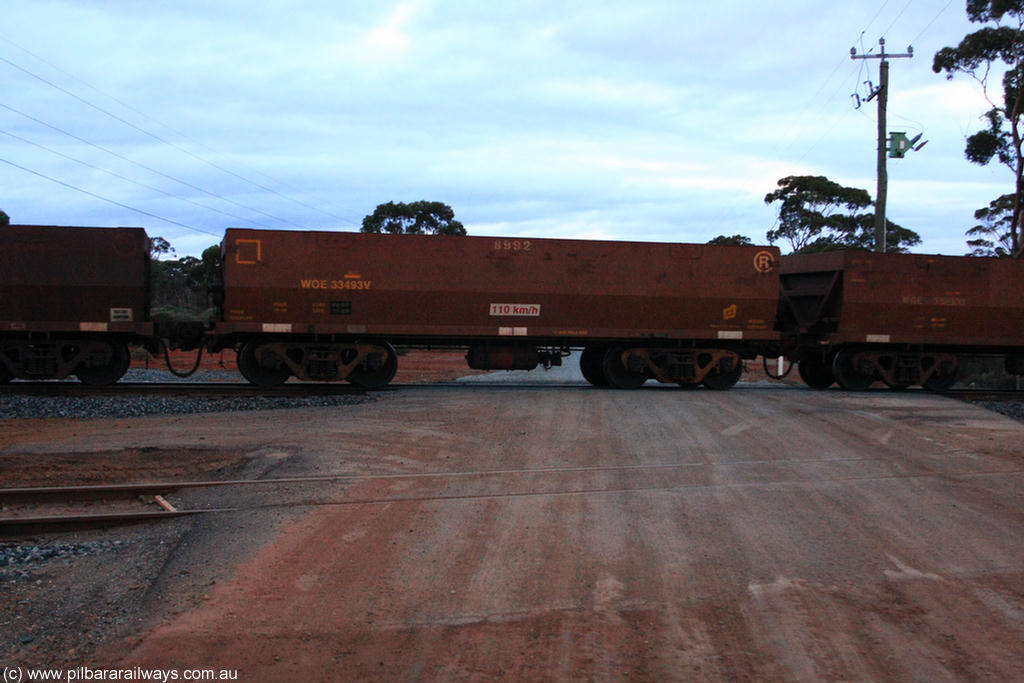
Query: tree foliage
(733, 240)
(811, 210)
(5, 220)
(414, 218)
(158, 247)
(817, 214)
(975, 56)
(182, 288)
(992, 236)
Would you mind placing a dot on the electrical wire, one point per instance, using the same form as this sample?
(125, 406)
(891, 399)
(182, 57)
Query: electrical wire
(877, 14)
(828, 79)
(140, 165)
(929, 25)
(129, 180)
(154, 135)
(106, 199)
(886, 32)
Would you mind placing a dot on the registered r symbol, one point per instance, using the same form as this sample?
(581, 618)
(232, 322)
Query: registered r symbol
(764, 262)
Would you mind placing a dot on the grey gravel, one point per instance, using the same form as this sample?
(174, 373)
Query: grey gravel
(164, 377)
(16, 559)
(135, 405)
(1014, 409)
(16, 553)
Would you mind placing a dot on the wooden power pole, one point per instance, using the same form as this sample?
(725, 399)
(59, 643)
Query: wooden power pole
(882, 92)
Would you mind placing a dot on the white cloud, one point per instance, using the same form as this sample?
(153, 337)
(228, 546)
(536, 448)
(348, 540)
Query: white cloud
(390, 39)
(959, 99)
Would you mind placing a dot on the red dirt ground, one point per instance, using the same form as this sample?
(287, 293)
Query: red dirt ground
(551, 534)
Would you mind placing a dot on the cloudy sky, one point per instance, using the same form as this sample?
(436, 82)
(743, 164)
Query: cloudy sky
(647, 120)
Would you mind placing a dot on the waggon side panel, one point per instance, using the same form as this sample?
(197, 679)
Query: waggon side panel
(921, 299)
(74, 279)
(452, 287)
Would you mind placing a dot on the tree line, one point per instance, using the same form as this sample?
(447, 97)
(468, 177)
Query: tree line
(185, 287)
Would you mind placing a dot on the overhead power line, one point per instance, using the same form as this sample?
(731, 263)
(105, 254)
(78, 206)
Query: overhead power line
(139, 129)
(929, 25)
(129, 180)
(886, 32)
(877, 14)
(105, 199)
(155, 136)
(143, 166)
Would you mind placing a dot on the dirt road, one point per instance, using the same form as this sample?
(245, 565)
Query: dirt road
(565, 533)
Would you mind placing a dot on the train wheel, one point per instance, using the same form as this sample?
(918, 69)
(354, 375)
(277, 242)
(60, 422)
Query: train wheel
(848, 375)
(941, 381)
(592, 366)
(267, 370)
(720, 380)
(108, 371)
(814, 374)
(377, 377)
(617, 374)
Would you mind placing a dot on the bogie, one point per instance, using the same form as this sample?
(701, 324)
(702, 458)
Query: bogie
(592, 366)
(376, 368)
(618, 372)
(723, 376)
(103, 363)
(261, 365)
(269, 362)
(815, 373)
(943, 376)
(852, 371)
(94, 361)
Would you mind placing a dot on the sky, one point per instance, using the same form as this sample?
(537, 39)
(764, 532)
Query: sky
(650, 120)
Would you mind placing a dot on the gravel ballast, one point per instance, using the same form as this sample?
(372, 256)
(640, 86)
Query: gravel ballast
(136, 405)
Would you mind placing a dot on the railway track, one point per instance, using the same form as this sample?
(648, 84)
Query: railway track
(987, 394)
(27, 510)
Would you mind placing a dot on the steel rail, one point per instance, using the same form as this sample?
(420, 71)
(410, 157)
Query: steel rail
(13, 525)
(151, 487)
(980, 394)
(33, 522)
(142, 488)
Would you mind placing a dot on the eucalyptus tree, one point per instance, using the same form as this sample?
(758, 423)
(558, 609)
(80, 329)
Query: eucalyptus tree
(818, 214)
(980, 55)
(414, 218)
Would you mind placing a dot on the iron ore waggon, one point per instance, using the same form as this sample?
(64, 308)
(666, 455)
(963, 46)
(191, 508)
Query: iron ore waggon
(331, 305)
(855, 317)
(71, 301)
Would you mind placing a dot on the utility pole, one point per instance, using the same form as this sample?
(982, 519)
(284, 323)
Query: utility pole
(882, 92)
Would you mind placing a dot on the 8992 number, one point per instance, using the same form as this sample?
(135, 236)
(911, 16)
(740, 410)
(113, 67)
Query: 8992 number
(512, 245)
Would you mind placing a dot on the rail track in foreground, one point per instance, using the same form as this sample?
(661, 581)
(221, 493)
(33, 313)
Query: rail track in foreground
(979, 394)
(28, 510)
